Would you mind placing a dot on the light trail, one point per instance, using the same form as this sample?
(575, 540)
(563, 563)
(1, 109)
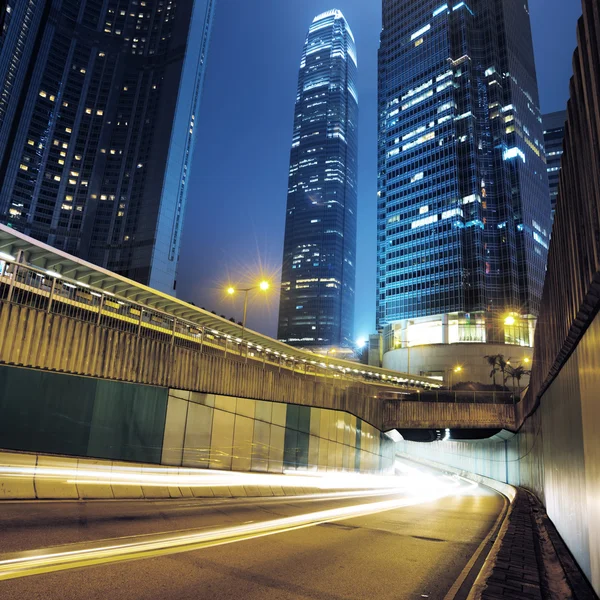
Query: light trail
(426, 489)
(119, 475)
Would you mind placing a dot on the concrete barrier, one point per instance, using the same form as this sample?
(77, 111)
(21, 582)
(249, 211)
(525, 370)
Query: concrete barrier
(26, 476)
(88, 491)
(17, 476)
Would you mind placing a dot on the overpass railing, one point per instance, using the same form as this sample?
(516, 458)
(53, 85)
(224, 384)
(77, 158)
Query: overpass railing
(49, 291)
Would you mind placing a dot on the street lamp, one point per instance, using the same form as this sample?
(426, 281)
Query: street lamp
(456, 369)
(263, 286)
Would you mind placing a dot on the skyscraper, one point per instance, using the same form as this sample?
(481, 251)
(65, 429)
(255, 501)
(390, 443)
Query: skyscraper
(463, 207)
(98, 106)
(554, 133)
(318, 273)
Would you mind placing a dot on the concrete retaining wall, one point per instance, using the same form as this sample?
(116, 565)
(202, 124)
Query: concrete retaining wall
(223, 432)
(52, 413)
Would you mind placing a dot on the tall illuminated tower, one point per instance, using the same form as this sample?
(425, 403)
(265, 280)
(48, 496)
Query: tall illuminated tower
(318, 273)
(463, 204)
(554, 133)
(98, 106)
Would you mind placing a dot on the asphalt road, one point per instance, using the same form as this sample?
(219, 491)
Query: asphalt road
(415, 546)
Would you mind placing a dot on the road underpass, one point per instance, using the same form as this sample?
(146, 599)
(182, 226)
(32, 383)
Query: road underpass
(412, 539)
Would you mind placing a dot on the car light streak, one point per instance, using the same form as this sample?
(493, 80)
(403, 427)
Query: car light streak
(108, 551)
(118, 475)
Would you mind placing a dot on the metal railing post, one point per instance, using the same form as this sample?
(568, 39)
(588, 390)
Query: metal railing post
(11, 287)
(139, 330)
(100, 307)
(201, 339)
(173, 332)
(51, 298)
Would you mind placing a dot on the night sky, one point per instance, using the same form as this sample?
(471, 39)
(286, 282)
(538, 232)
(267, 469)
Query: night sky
(236, 205)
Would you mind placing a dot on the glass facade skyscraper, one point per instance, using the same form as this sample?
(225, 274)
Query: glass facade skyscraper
(318, 272)
(554, 134)
(98, 107)
(463, 207)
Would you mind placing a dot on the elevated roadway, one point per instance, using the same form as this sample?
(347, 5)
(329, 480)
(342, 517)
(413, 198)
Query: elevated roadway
(62, 314)
(40, 276)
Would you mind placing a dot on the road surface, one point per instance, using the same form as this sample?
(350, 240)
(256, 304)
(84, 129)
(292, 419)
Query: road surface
(414, 541)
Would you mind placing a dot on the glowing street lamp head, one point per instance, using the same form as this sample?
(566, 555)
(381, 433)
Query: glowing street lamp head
(264, 285)
(510, 320)
(526, 360)
(231, 290)
(457, 369)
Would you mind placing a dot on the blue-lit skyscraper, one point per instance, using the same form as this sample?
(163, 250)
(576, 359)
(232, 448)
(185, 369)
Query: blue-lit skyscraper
(463, 205)
(318, 273)
(98, 105)
(554, 134)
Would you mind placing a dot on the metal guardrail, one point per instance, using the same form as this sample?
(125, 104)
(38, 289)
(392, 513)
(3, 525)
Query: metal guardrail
(49, 291)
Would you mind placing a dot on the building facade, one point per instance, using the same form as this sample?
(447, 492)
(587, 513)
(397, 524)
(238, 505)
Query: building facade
(318, 271)
(97, 114)
(463, 205)
(554, 134)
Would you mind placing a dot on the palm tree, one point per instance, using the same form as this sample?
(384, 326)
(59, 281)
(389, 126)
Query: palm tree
(492, 360)
(503, 364)
(517, 373)
(510, 372)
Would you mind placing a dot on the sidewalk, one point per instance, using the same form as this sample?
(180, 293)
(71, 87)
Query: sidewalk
(532, 562)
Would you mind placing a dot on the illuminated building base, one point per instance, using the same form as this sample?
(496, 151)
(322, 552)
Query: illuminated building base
(453, 346)
(459, 328)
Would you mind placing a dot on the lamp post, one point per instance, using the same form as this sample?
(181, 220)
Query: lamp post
(456, 369)
(263, 286)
